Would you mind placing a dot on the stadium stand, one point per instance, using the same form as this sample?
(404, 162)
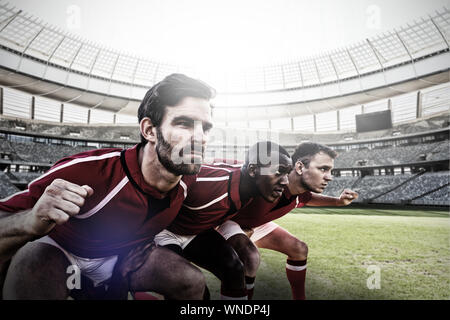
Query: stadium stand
(6, 186)
(26, 155)
(43, 153)
(370, 186)
(417, 188)
(438, 197)
(67, 104)
(429, 188)
(338, 184)
(394, 155)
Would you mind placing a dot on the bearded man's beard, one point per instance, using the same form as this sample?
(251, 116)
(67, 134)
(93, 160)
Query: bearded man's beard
(165, 151)
(305, 185)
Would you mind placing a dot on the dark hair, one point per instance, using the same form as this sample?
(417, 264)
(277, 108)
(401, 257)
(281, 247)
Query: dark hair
(169, 92)
(306, 150)
(261, 151)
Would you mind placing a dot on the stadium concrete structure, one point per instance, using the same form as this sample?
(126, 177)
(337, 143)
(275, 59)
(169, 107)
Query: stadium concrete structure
(60, 95)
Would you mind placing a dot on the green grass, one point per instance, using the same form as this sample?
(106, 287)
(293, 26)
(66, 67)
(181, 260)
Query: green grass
(411, 248)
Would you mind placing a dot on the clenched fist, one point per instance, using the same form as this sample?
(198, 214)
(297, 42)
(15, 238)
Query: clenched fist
(60, 201)
(346, 197)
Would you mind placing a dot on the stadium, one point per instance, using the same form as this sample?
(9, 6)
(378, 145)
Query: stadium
(382, 103)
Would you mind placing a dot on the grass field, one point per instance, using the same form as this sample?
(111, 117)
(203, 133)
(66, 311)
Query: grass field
(411, 248)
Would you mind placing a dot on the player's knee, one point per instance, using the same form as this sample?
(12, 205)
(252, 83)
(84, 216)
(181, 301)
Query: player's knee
(193, 285)
(299, 250)
(37, 271)
(248, 253)
(251, 261)
(25, 262)
(234, 267)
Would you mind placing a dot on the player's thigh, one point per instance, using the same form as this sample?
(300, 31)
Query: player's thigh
(282, 241)
(164, 272)
(37, 271)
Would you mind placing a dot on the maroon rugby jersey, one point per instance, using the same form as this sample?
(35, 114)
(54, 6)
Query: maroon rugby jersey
(259, 211)
(211, 200)
(123, 211)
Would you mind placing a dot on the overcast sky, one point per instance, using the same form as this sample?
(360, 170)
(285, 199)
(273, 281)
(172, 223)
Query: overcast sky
(227, 33)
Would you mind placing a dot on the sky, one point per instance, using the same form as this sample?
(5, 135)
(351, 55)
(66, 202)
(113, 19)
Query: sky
(231, 33)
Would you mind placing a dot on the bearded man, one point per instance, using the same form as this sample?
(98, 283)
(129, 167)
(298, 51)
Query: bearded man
(90, 208)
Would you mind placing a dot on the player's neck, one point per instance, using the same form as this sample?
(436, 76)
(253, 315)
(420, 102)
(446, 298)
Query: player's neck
(246, 187)
(295, 186)
(154, 173)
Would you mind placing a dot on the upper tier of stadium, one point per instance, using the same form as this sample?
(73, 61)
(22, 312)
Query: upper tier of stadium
(50, 63)
(422, 141)
(406, 164)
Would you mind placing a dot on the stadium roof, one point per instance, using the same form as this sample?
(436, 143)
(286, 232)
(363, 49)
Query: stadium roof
(32, 51)
(31, 37)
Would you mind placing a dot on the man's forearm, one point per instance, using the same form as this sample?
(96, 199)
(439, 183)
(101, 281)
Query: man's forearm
(13, 233)
(318, 200)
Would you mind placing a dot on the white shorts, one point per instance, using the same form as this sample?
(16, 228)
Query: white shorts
(230, 228)
(166, 237)
(98, 270)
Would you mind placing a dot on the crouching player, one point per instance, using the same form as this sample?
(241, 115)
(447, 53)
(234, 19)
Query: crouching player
(218, 193)
(89, 209)
(313, 163)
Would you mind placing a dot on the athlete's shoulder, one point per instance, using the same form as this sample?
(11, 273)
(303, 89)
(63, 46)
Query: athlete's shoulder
(219, 167)
(224, 162)
(212, 175)
(93, 165)
(92, 155)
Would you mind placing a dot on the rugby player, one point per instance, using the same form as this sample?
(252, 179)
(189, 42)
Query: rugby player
(219, 191)
(313, 163)
(92, 207)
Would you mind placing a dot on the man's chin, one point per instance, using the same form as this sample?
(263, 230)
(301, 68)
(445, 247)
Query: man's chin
(271, 199)
(193, 168)
(188, 169)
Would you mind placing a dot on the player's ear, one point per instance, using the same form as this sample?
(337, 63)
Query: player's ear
(252, 169)
(148, 130)
(299, 167)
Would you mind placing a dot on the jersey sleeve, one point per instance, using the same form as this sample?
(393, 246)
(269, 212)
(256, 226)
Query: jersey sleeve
(72, 169)
(225, 162)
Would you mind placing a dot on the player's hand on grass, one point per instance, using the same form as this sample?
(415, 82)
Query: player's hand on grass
(346, 197)
(60, 201)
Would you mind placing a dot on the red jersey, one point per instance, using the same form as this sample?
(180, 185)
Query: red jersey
(212, 199)
(123, 211)
(259, 211)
